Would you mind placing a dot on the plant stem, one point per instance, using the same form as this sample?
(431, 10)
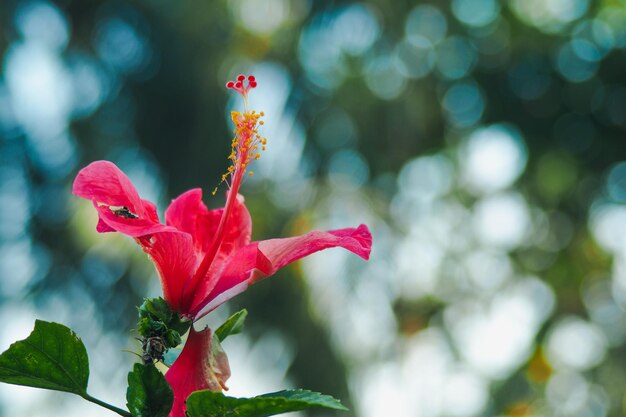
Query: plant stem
(107, 406)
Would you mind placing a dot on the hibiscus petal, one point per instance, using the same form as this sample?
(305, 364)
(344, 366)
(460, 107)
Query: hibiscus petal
(284, 251)
(189, 214)
(236, 235)
(238, 229)
(151, 211)
(184, 210)
(175, 260)
(241, 269)
(201, 365)
(105, 183)
(133, 227)
(103, 227)
(264, 258)
(118, 204)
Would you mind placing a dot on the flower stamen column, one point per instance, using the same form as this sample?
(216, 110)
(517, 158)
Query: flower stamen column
(245, 150)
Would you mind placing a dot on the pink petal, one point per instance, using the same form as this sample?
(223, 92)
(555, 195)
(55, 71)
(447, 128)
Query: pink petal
(111, 222)
(237, 233)
(284, 251)
(264, 258)
(238, 229)
(151, 211)
(201, 365)
(105, 183)
(247, 263)
(102, 227)
(175, 260)
(118, 204)
(189, 214)
(184, 210)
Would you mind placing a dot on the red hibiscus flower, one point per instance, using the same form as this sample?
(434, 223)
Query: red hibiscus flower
(204, 257)
(180, 247)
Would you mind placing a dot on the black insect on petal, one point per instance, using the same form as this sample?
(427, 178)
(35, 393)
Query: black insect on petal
(123, 212)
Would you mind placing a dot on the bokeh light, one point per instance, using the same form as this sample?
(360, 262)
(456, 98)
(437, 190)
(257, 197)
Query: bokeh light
(481, 141)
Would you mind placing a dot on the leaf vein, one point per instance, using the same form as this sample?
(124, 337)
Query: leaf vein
(58, 365)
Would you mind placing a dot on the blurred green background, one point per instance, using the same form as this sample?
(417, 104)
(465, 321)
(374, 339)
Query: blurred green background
(482, 141)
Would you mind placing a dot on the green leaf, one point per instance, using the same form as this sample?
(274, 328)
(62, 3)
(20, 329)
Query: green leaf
(211, 404)
(171, 355)
(233, 325)
(148, 393)
(52, 357)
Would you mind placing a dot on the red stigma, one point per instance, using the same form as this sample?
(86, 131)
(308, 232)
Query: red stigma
(243, 84)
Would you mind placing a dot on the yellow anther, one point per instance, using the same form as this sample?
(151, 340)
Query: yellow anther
(245, 143)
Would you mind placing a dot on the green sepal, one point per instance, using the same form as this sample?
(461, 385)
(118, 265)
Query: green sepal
(233, 325)
(157, 307)
(179, 324)
(210, 404)
(51, 357)
(148, 393)
(172, 338)
(149, 326)
(156, 319)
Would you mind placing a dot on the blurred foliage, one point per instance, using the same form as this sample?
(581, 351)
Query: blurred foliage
(481, 140)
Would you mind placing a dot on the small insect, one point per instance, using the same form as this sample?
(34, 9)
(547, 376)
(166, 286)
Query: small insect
(123, 212)
(153, 349)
